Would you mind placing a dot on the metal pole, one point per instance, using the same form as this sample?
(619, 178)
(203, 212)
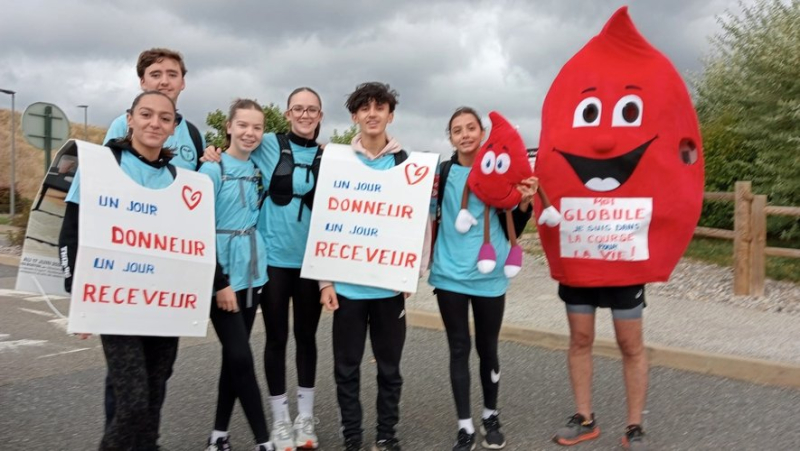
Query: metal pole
(13, 155)
(48, 136)
(12, 187)
(85, 121)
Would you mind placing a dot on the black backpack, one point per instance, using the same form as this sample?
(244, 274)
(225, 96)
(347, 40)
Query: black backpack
(281, 187)
(520, 219)
(197, 140)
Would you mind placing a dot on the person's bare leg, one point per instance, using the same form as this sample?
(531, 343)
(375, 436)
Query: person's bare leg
(634, 365)
(581, 338)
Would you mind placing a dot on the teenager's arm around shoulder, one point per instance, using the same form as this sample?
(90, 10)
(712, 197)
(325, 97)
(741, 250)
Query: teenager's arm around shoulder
(117, 129)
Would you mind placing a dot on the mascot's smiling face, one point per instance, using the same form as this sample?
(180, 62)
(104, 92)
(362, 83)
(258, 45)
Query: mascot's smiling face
(619, 111)
(618, 122)
(501, 163)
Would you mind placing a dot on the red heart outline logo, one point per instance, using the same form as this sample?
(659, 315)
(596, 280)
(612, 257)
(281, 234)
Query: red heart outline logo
(415, 173)
(191, 197)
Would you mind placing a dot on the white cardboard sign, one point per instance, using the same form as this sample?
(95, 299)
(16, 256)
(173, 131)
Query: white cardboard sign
(146, 257)
(606, 228)
(368, 226)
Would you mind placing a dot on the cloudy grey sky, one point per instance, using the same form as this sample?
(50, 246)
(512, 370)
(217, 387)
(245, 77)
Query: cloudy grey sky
(439, 54)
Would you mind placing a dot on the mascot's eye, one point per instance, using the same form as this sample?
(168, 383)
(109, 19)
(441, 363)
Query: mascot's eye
(628, 112)
(503, 163)
(587, 114)
(487, 164)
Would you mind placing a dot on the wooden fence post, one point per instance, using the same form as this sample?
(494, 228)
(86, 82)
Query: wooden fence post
(741, 242)
(758, 243)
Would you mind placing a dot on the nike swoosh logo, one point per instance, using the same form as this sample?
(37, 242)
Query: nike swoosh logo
(639, 294)
(402, 314)
(495, 376)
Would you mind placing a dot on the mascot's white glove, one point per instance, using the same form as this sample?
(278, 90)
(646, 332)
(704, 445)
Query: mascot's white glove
(465, 221)
(550, 217)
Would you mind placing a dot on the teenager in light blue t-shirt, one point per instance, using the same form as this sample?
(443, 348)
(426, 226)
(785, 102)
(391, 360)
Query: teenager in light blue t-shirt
(241, 256)
(359, 308)
(458, 282)
(163, 70)
(138, 366)
(289, 163)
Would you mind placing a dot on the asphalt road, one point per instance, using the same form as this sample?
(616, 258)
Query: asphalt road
(51, 395)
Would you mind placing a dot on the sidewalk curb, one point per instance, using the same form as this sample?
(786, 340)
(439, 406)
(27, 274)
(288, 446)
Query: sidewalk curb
(758, 371)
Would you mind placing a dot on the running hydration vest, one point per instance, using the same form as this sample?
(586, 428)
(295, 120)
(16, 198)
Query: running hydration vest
(281, 185)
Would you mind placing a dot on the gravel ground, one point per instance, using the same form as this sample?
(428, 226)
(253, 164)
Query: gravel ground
(699, 281)
(691, 280)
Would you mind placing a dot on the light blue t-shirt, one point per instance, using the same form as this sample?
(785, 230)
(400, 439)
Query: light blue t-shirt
(358, 292)
(139, 171)
(455, 255)
(286, 236)
(185, 154)
(236, 209)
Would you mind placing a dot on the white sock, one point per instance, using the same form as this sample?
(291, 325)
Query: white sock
(280, 408)
(466, 425)
(488, 412)
(215, 434)
(305, 401)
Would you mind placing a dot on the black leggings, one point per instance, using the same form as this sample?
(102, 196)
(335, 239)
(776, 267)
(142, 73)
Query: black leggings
(138, 368)
(237, 377)
(285, 283)
(488, 316)
(386, 321)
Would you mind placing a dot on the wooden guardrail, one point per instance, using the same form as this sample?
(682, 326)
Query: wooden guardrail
(749, 236)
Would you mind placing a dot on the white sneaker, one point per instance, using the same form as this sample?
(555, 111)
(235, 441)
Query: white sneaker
(304, 435)
(282, 436)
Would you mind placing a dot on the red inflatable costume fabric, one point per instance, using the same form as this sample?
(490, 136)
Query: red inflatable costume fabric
(621, 156)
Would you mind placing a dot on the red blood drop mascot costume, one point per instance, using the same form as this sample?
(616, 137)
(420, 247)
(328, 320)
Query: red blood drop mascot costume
(621, 156)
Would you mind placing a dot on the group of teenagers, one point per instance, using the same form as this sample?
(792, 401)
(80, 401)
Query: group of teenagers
(264, 185)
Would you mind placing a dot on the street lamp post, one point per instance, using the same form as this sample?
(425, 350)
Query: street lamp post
(85, 121)
(12, 188)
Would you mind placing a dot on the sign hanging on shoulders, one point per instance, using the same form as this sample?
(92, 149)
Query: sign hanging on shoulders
(140, 270)
(368, 225)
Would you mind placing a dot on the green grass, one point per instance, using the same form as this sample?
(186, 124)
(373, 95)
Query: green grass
(707, 250)
(720, 252)
(4, 219)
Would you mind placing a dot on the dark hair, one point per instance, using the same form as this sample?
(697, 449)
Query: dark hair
(461, 111)
(375, 91)
(319, 99)
(240, 104)
(128, 139)
(303, 89)
(155, 55)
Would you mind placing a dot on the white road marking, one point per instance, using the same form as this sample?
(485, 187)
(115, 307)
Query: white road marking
(63, 352)
(13, 345)
(38, 312)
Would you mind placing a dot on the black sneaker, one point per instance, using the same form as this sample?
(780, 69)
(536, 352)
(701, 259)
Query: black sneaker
(634, 438)
(578, 429)
(492, 437)
(352, 444)
(389, 444)
(221, 444)
(465, 441)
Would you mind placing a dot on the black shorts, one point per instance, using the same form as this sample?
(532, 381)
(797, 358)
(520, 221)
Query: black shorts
(617, 298)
